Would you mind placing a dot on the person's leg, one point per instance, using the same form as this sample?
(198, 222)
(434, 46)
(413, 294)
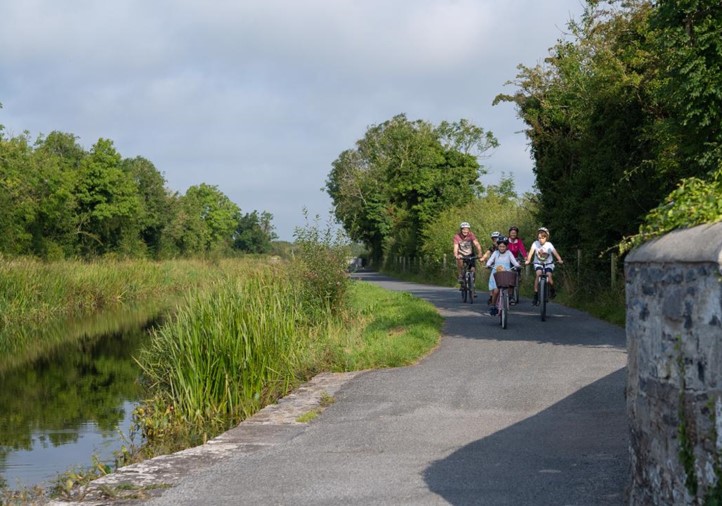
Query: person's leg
(492, 306)
(537, 275)
(459, 268)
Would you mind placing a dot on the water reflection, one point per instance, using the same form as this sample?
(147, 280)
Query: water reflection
(70, 401)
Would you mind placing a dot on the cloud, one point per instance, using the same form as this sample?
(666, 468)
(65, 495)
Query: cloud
(259, 97)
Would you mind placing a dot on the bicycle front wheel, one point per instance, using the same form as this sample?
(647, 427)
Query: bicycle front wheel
(543, 298)
(470, 284)
(504, 312)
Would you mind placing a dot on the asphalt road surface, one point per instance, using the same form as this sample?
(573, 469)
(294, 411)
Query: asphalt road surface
(530, 415)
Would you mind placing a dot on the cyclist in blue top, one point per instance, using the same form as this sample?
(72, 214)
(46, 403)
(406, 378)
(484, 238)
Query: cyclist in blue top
(501, 260)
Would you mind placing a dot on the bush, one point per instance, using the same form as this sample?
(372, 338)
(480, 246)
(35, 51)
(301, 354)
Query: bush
(320, 260)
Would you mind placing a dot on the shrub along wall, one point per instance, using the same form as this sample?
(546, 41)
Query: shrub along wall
(674, 390)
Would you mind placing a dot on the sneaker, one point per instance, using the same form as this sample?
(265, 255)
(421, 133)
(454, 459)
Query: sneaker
(493, 311)
(535, 302)
(552, 292)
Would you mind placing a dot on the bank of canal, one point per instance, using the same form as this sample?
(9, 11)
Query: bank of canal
(74, 402)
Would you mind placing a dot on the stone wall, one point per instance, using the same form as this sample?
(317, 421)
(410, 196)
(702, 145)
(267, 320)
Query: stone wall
(674, 388)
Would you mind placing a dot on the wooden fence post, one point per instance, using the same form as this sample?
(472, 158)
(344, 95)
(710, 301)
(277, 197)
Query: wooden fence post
(579, 265)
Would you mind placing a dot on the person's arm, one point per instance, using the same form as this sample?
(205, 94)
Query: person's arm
(559, 259)
(522, 249)
(456, 249)
(514, 261)
(477, 245)
(531, 254)
(492, 259)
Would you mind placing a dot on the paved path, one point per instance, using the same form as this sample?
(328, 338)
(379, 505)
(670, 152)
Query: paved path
(530, 415)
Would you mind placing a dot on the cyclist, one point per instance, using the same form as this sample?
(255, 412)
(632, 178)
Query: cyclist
(494, 236)
(464, 243)
(516, 246)
(543, 253)
(502, 259)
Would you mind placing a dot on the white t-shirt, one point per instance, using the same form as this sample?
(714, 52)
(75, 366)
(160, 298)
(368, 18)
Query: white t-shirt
(543, 253)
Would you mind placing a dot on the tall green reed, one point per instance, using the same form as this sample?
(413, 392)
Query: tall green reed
(224, 354)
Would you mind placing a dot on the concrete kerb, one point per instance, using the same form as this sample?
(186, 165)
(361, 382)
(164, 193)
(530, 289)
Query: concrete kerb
(272, 425)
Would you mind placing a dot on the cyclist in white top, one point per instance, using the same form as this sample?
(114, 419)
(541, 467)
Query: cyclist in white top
(543, 253)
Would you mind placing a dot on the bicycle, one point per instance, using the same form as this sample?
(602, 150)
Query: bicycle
(468, 290)
(544, 289)
(505, 280)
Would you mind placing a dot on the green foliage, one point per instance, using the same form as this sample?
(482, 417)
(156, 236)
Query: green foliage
(486, 214)
(108, 204)
(254, 233)
(620, 115)
(694, 202)
(250, 341)
(400, 176)
(37, 299)
(686, 37)
(60, 201)
(321, 256)
(225, 353)
(391, 329)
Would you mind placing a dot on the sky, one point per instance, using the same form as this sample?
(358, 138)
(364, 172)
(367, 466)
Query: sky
(259, 97)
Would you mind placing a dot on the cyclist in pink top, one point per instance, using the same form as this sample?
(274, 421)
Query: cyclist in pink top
(516, 246)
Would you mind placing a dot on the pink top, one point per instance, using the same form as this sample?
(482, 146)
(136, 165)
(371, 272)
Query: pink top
(517, 247)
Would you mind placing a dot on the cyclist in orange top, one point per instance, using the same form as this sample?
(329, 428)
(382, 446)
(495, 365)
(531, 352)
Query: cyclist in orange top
(464, 243)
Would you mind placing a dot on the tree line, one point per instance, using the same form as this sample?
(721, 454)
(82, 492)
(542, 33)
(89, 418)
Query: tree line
(62, 201)
(624, 123)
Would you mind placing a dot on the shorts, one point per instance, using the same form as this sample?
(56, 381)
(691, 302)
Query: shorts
(544, 267)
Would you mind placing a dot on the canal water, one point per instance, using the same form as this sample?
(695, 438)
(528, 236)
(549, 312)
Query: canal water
(73, 402)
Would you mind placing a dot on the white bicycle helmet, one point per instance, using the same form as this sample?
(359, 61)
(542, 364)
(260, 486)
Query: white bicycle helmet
(464, 224)
(545, 230)
(494, 235)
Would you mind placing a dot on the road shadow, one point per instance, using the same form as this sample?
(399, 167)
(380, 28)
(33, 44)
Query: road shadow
(564, 326)
(573, 453)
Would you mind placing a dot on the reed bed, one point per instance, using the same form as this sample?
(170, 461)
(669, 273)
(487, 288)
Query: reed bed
(36, 296)
(250, 341)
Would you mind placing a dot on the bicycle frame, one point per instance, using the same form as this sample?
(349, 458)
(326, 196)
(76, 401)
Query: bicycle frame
(468, 284)
(502, 300)
(543, 294)
(502, 306)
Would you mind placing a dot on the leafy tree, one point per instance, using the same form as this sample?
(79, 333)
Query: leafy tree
(109, 207)
(400, 176)
(590, 111)
(155, 198)
(686, 38)
(17, 196)
(254, 233)
(205, 221)
(58, 157)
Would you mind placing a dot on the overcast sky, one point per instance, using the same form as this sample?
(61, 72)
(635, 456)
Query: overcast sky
(259, 97)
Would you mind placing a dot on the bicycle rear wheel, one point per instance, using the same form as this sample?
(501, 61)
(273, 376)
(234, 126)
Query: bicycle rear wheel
(543, 298)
